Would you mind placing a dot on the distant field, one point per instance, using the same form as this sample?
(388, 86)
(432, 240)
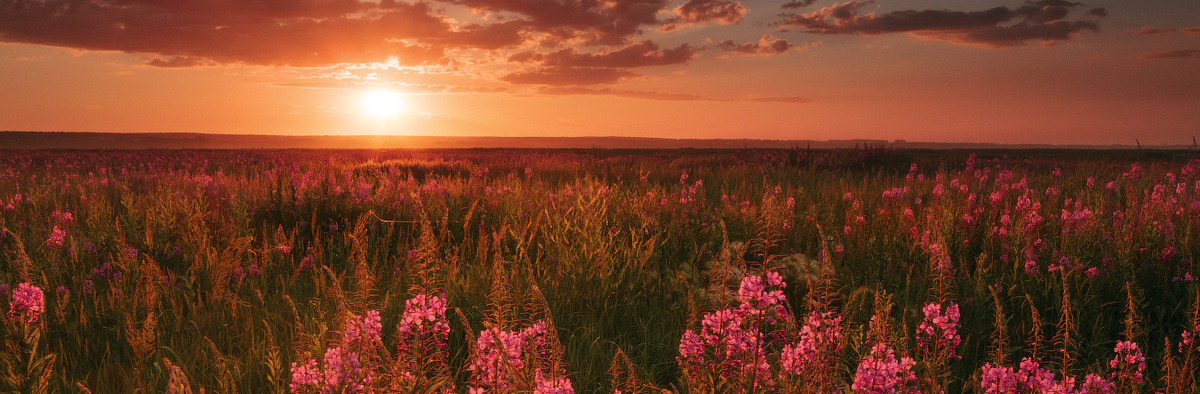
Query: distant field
(177, 141)
(601, 270)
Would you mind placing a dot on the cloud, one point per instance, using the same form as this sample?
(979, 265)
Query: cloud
(725, 12)
(634, 94)
(589, 21)
(782, 99)
(640, 54)
(568, 76)
(1167, 31)
(263, 32)
(179, 62)
(996, 27)
(766, 46)
(1176, 54)
(798, 3)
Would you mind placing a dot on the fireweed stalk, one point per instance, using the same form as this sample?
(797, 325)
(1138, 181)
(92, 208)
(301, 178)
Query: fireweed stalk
(737, 344)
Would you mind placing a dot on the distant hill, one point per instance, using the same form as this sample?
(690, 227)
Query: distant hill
(79, 140)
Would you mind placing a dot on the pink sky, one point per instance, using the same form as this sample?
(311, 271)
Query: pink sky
(1046, 71)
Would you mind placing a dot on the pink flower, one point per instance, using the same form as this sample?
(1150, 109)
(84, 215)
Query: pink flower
(938, 333)
(880, 372)
(56, 237)
(362, 332)
(28, 301)
(1128, 364)
(552, 386)
(305, 378)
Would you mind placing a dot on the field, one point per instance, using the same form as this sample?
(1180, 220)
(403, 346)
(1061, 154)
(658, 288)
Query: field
(555, 271)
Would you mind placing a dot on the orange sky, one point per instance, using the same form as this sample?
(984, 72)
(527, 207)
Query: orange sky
(1045, 71)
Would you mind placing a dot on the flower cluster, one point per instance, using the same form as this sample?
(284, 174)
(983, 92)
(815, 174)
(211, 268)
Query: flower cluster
(1129, 364)
(28, 302)
(820, 341)
(881, 372)
(305, 377)
(938, 333)
(497, 352)
(545, 385)
(56, 238)
(503, 359)
(1032, 378)
(736, 340)
(343, 370)
(424, 316)
(362, 332)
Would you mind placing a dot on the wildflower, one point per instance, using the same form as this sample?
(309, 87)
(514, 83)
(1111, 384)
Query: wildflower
(939, 331)
(820, 339)
(343, 371)
(306, 264)
(87, 286)
(56, 237)
(305, 377)
(27, 302)
(552, 386)
(424, 316)
(497, 352)
(282, 249)
(880, 372)
(1000, 380)
(1128, 364)
(362, 332)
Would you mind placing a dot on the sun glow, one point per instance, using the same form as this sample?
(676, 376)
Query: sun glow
(382, 104)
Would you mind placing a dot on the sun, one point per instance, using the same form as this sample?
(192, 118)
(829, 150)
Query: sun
(382, 104)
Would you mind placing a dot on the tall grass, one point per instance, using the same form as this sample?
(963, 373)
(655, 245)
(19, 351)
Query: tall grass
(228, 270)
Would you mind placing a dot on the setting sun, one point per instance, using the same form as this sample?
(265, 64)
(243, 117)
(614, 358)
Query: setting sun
(382, 104)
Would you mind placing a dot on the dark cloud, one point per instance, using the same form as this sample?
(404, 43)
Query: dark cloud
(326, 32)
(994, 27)
(1167, 31)
(266, 32)
(725, 12)
(589, 21)
(568, 76)
(1176, 54)
(798, 4)
(640, 54)
(1099, 11)
(634, 94)
(766, 46)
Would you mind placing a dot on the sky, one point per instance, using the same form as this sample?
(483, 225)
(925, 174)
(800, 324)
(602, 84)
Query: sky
(1043, 71)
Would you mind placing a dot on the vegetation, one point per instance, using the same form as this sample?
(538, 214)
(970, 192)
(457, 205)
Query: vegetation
(599, 271)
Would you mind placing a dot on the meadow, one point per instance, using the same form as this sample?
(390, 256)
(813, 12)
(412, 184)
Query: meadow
(559, 271)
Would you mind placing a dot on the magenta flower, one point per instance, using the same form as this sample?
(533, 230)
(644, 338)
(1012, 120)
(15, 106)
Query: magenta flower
(1128, 364)
(881, 373)
(938, 333)
(361, 333)
(820, 340)
(28, 302)
(552, 386)
(306, 378)
(56, 238)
